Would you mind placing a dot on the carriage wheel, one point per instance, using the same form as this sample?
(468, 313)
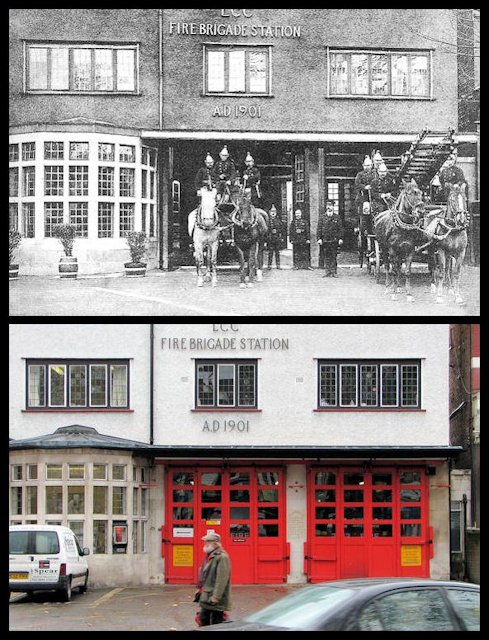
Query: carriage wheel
(361, 253)
(377, 262)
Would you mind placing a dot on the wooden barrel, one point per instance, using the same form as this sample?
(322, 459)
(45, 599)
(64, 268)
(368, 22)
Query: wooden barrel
(135, 270)
(68, 267)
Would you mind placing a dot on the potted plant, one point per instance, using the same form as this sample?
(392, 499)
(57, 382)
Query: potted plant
(68, 265)
(14, 241)
(138, 244)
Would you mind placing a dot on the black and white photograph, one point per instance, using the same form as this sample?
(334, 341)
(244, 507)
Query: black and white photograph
(244, 162)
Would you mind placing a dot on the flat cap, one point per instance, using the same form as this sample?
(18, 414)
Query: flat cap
(212, 536)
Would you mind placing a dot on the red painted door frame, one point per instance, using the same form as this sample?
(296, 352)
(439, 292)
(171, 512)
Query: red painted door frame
(367, 522)
(244, 504)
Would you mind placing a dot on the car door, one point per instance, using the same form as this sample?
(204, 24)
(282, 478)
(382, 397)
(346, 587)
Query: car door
(466, 603)
(73, 560)
(407, 609)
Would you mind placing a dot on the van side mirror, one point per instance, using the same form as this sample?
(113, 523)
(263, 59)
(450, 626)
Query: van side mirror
(85, 551)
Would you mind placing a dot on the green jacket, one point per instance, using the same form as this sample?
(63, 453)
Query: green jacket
(217, 578)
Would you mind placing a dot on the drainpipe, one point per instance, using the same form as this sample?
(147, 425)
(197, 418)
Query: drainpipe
(151, 389)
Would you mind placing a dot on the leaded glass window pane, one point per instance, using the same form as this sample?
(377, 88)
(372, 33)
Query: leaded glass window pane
(37, 385)
(237, 71)
(247, 385)
(258, 72)
(389, 385)
(348, 385)
(369, 385)
(328, 386)
(205, 385)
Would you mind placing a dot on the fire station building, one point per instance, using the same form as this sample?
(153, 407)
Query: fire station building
(316, 451)
(113, 112)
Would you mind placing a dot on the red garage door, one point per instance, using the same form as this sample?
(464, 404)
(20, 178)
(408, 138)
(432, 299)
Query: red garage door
(245, 505)
(367, 523)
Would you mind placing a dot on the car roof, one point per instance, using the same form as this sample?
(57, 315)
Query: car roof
(38, 527)
(365, 583)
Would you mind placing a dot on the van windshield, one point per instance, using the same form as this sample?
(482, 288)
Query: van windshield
(33, 542)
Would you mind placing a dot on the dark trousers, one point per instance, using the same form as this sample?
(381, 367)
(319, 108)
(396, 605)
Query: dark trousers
(301, 256)
(274, 250)
(330, 257)
(208, 617)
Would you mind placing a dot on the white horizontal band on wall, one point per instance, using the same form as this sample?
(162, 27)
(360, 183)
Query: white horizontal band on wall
(291, 137)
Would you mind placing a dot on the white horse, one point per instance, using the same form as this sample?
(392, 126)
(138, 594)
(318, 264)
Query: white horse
(203, 227)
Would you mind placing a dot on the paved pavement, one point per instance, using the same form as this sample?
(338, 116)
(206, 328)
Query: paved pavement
(283, 293)
(165, 608)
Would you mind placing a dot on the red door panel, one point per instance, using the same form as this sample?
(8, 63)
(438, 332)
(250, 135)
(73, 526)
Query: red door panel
(367, 523)
(246, 506)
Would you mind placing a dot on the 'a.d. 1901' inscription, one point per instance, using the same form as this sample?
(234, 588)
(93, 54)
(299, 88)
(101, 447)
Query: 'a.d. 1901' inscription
(226, 426)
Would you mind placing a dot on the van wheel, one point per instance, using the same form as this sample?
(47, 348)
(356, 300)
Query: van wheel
(66, 592)
(83, 588)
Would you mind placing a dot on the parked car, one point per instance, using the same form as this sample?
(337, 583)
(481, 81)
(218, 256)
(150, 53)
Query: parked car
(370, 604)
(46, 558)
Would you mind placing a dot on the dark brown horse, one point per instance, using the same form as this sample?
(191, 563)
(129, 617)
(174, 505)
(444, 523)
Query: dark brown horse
(398, 234)
(449, 244)
(250, 233)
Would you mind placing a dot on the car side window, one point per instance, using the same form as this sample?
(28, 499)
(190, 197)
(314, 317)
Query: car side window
(467, 605)
(408, 610)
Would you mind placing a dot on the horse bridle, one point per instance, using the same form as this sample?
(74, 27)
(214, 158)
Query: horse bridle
(416, 210)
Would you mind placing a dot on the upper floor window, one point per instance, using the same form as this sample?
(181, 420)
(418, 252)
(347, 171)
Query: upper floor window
(81, 68)
(237, 70)
(226, 384)
(369, 384)
(384, 74)
(77, 384)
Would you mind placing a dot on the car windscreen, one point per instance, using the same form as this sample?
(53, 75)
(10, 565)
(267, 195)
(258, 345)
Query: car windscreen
(33, 542)
(301, 610)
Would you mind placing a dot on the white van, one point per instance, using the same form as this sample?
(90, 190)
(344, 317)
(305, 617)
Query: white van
(46, 558)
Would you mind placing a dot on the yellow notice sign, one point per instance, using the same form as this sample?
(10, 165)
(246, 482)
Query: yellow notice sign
(411, 555)
(183, 555)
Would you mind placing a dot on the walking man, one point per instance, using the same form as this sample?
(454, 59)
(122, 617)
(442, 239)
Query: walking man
(214, 585)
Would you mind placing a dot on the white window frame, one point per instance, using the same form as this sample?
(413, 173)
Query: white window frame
(226, 49)
(219, 404)
(95, 406)
(345, 406)
(71, 46)
(50, 404)
(389, 406)
(115, 364)
(86, 381)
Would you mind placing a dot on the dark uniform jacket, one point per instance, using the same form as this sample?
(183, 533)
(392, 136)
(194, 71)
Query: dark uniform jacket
(363, 179)
(380, 186)
(330, 229)
(225, 171)
(299, 232)
(275, 231)
(449, 176)
(254, 177)
(205, 178)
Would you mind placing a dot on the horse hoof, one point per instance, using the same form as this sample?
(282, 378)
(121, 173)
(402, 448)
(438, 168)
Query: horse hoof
(242, 285)
(399, 290)
(200, 282)
(247, 279)
(410, 299)
(451, 293)
(460, 301)
(439, 300)
(259, 276)
(251, 285)
(214, 283)
(394, 297)
(433, 288)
